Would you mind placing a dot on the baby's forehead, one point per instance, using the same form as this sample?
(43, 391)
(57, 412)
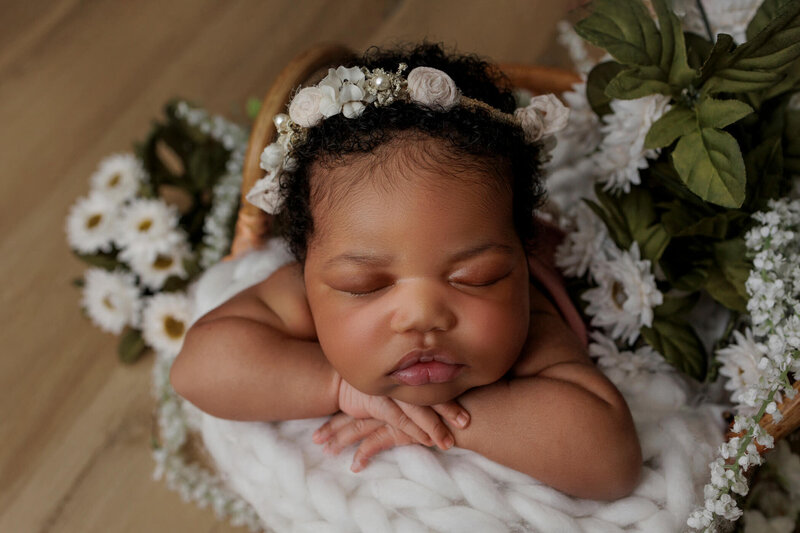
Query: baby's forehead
(406, 162)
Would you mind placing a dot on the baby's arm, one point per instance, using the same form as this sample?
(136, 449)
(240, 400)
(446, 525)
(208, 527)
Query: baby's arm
(256, 356)
(558, 418)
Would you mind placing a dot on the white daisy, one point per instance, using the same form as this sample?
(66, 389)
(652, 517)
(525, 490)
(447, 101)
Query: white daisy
(111, 299)
(586, 240)
(146, 228)
(154, 272)
(91, 224)
(165, 319)
(582, 133)
(119, 176)
(622, 153)
(740, 363)
(627, 293)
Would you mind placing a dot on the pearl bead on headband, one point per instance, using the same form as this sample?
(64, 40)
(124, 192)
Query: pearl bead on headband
(348, 91)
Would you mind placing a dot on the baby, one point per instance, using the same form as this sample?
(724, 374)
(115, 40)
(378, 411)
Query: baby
(418, 309)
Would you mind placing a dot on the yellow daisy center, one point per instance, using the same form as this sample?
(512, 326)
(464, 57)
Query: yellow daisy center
(618, 294)
(107, 303)
(94, 220)
(163, 262)
(114, 181)
(173, 327)
(145, 225)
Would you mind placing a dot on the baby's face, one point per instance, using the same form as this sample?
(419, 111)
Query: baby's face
(419, 290)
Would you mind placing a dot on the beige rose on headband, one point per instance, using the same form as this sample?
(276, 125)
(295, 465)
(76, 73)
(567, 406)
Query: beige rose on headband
(272, 157)
(305, 107)
(266, 193)
(544, 115)
(432, 88)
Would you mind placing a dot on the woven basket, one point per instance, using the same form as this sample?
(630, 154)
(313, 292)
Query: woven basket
(252, 224)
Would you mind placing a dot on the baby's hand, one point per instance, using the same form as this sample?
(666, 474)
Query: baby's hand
(342, 430)
(421, 423)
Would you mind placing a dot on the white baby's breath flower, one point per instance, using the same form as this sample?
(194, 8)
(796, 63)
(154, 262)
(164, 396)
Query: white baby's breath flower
(148, 227)
(432, 88)
(111, 299)
(627, 293)
(119, 177)
(622, 153)
(165, 319)
(153, 273)
(91, 223)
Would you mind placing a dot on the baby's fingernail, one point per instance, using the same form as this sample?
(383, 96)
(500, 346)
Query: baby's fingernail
(357, 466)
(462, 420)
(448, 443)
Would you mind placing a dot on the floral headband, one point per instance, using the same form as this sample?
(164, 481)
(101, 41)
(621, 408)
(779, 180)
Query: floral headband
(350, 90)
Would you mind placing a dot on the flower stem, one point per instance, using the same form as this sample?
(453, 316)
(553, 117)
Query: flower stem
(705, 19)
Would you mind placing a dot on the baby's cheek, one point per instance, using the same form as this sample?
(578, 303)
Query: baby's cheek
(498, 334)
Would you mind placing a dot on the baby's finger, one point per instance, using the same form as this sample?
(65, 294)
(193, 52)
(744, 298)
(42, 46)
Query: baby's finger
(430, 422)
(391, 413)
(334, 424)
(453, 413)
(358, 429)
(381, 439)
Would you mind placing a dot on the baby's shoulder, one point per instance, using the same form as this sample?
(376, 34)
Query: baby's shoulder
(284, 292)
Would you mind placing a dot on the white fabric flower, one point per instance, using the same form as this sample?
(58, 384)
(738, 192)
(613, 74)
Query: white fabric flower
(342, 91)
(91, 223)
(622, 153)
(555, 115)
(627, 293)
(305, 107)
(148, 227)
(266, 194)
(165, 319)
(585, 242)
(154, 273)
(111, 299)
(432, 88)
(272, 157)
(531, 122)
(119, 177)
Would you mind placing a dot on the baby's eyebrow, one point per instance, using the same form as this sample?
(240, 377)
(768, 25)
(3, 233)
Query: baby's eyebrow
(371, 259)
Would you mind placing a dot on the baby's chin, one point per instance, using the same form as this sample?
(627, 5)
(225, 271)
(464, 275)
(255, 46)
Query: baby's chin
(430, 394)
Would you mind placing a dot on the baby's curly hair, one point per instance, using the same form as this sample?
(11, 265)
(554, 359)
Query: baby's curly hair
(473, 136)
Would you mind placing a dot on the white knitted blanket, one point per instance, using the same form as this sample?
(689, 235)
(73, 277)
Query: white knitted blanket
(295, 488)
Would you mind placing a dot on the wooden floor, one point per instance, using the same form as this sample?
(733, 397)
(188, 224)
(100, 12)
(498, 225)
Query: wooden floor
(79, 80)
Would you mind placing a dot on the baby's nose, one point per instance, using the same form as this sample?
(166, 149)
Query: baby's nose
(422, 306)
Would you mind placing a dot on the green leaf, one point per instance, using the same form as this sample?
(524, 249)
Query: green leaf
(760, 62)
(675, 123)
(723, 291)
(638, 82)
(131, 346)
(681, 221)
(252, 107)
(698, 49)
(710, 163)
(673, 47)
(596, 84)
(107, 261)
(679, 344)
(765, 173)
(717, 56)
(713, 113)
(767, 12)
(625, 29)
(617, 229)
(731, 258)
(677, 306)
